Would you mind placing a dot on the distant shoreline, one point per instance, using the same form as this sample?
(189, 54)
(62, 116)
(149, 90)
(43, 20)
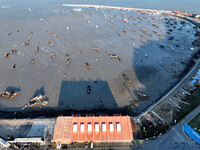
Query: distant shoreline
(114, 7)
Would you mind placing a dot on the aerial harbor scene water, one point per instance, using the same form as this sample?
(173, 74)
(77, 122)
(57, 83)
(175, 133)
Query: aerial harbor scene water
(71, 68)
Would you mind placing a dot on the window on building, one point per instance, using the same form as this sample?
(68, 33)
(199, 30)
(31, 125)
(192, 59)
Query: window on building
(118, 126)
(75, 127)
(82, 127)
(96, 127)
(103, 126)
(89, 127)
(111, 126)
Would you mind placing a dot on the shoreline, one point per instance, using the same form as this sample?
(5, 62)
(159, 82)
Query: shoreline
(114, 7)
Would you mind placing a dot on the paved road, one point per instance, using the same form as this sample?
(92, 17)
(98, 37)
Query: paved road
(190, 116)
(174, 139)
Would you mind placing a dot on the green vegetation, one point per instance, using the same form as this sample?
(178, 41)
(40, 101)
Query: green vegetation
(149, 130)
(194, 102)
(195, 123)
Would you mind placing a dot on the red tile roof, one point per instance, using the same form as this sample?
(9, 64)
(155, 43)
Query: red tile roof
(63, 131)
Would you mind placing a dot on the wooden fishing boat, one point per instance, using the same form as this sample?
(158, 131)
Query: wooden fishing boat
(9, 94)
(35, 100)
(87, 65)
(68, 61)
(127, 79)
(142, 95)
(44, 102)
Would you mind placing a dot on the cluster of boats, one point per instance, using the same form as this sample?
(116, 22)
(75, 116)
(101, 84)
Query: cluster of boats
(38, 99)
(35, 101)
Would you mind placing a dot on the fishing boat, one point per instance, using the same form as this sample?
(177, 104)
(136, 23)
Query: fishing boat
(44, 102)
(127, 79)
(9, 94)
(35, 100)
(6, 55)
(67, 55)
(68, 61)
(96, 49)
(87, 65)
(88, 89)
(112, 55)
(13, 51)
(53, 55)
(36, 49)
(142, 95)
(32, 60)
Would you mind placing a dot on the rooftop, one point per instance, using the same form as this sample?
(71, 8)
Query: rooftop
(103, 128)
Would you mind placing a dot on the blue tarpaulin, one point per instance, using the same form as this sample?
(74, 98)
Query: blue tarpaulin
(192, 133)
(195, 78)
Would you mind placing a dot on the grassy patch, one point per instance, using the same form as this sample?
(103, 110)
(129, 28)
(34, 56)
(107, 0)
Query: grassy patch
(195, 122)
(194, 102)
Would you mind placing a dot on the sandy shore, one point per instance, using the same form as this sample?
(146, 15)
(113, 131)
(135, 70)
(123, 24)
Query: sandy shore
(153, 65)
(116, 8)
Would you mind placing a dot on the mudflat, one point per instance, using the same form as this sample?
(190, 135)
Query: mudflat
(152, 51)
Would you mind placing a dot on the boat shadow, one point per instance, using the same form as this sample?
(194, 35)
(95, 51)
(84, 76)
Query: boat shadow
(13, 88)
(40, 91)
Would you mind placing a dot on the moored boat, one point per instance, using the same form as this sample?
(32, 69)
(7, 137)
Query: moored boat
(127, 79)
(44, 102)
(69, 60)
(112, 55)
(87, 65)
(35, 100)
(9, 94)
(143, 95)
